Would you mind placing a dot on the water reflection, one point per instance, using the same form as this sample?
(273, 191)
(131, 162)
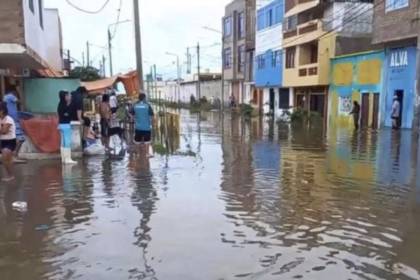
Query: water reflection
(260, 201)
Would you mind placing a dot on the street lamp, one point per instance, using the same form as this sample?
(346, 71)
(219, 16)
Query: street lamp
(179, 73)
(109, 43)
(223, 66)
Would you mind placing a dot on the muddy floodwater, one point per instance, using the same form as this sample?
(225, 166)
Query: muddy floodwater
(251, 201)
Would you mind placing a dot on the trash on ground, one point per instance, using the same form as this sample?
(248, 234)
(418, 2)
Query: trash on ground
(42, 227)
(21, 206)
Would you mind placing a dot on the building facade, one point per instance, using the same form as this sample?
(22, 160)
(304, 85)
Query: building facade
(249, 52)
(356, 77)
(30, 36)
(234, 49)
(210, 85)
(313, 33)
(395, 26)
(269, 56)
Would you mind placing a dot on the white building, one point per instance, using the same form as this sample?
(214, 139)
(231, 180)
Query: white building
(30, 36)
(210, 85)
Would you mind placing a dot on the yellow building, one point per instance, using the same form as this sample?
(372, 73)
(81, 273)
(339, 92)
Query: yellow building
(312, 35)
(356, 77)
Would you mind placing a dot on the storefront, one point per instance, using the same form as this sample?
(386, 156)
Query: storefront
(400, 74)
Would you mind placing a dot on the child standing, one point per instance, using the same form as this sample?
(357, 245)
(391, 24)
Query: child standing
(7, 141)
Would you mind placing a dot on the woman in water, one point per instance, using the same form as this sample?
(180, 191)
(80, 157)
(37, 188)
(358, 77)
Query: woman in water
(7, 141)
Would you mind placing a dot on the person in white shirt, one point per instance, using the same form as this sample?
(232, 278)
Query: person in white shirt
(7, 141)
(113, 102)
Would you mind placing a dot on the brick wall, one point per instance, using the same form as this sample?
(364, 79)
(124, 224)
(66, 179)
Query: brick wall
(11, 22)
(394, 25)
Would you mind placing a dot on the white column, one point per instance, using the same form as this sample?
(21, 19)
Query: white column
(76, 137)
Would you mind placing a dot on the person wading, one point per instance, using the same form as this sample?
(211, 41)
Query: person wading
(395, 113)
(12, 101)
(356, 114)
(105, 114)
(143, 116)
(7, 141)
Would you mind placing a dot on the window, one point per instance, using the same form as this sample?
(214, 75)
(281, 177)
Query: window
(241, 58)
(261, 61)
(290, 22)
(31, 6)
(270, 18)
(260, 20)
(41, 18)
(314, 53)
(227, 27)
(227, 58)
(241, 25)
(290, 57)
(275, 59)
(391, 5)
(284, 98)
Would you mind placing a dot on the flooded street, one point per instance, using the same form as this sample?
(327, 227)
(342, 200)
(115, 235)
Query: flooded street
(256, 202)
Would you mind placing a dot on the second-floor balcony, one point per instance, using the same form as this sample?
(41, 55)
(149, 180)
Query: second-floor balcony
(303, 33)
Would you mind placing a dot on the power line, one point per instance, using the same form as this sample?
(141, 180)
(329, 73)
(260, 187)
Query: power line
(89, 12)
(118, 19)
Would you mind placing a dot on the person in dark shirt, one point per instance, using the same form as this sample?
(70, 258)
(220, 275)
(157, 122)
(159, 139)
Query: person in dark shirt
(356, 114)
(77, 104)
(64, 108)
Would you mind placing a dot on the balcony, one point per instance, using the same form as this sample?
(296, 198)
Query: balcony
(304, 75)
(304, 33)
(301, 6)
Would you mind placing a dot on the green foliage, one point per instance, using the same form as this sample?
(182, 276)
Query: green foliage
(85, 74)
(302, 116)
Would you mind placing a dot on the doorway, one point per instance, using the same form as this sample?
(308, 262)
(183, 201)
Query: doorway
(400, 94)
(364, 117)
(271, 100)
(317, 104)
(375, 112)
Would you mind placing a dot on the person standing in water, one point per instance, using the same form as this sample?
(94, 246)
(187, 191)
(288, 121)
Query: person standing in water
(7, 141)
(105, 114)
(143, 116)
(12, 101)
(395, 113)
(356, 114)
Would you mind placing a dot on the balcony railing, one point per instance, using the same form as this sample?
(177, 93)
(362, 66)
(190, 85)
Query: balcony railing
(308, 70)
(303, 28)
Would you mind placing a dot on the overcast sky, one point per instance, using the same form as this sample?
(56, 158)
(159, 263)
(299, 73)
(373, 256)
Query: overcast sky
(166, 26)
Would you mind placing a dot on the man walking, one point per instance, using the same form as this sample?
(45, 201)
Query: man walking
(395, 113)
(143, 116)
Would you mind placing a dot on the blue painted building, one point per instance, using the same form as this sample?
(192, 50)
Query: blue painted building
(268, 63)
(400, 75)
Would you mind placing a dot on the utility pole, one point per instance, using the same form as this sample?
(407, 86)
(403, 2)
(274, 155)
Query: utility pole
(150, 90)
(83, 59)
(139, 59)
(416, 108)
(188, 61)
(110, 53)
(103, 65)
(154, 71)
(178, 80)
(198, 73)
(87, 54)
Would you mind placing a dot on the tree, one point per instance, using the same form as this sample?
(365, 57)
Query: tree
(85, 73)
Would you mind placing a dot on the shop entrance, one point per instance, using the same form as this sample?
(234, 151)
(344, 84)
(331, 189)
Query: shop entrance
(400, 94)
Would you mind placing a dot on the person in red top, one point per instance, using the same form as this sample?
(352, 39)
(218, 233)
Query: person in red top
(356, 114)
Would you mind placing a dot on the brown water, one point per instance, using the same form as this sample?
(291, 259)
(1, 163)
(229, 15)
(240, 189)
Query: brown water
(258, 202)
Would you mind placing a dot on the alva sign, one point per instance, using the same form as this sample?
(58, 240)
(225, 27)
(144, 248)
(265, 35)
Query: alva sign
(399, 59)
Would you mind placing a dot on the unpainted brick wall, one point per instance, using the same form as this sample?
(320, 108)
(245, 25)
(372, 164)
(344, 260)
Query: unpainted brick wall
(394, 25)
(11, 22)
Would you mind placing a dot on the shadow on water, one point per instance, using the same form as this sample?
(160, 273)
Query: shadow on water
(258, 201)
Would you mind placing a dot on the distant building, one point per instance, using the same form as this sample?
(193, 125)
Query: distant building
(234, 48)
(395, 26)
